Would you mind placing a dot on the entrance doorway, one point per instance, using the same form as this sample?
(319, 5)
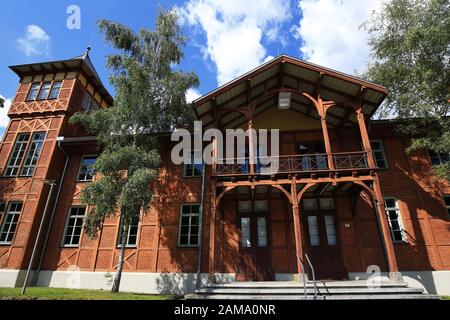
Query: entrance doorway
(322, 238)
(254, 258)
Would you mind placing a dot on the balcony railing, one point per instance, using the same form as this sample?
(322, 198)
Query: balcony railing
(293, 164)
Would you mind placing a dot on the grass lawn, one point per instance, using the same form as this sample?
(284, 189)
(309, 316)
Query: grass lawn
(73, 294)
(445, 297)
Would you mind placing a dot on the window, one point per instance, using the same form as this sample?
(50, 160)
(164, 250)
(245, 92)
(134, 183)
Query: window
(189, 225)
(326, 203)
(131, 232)
(261, 206)
(33, 154)
(45, 89)
(18, 151)
(313, 229)
(262, 232)
(438, 158)
(86, 171)
(34, 90)
(378, 153)
(331, 230)
(94, 106)
(245, 206)
(56, 87)
(310, 204)
(74, 226)
(245, 233)
(10, 221)
(194, 168)
(447, 203)
(2, 210)
(395, 220)
(86, 102)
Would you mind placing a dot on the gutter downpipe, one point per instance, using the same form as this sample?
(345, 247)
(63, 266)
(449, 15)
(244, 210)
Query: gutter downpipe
(38, 236)
(200, 222)
(44, 247)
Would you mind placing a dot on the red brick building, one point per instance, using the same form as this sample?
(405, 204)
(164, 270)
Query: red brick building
(346, 193)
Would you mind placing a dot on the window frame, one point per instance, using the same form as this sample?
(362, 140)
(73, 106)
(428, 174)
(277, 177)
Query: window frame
(437, 156)
(52, 87)
(91, 102)
(447, 206)
(79, 168)
(66, 225)
(383, 152)
(3, 222)
(21, 164)
(27, 154)
(399, 220)
(31, 88)
(119, 233)
(192, 170)
(2, 212)
(190, 215)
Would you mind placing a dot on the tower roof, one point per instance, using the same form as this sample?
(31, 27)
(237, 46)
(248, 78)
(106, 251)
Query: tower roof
(82, 62)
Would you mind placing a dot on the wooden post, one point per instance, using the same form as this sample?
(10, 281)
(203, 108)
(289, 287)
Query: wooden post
(386, 233)
(365, 137)
(251, 150)
(214, 158)
(326, 137)
(297, 225)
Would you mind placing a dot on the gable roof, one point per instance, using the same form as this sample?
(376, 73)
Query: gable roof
(290, 73)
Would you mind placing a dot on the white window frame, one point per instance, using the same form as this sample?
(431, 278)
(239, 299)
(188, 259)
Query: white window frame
(382, 150)
(399, 219)
(81, 163)
(119, 234)
(190, 215)
(63, 240)
(17, 165)
(3, 223)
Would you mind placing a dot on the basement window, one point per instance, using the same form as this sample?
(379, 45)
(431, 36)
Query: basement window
(9, 224)
(188, 235)
(74, 226)
(395, 219)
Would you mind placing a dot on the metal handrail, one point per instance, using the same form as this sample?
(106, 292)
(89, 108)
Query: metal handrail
(313, 275)
(304, 277)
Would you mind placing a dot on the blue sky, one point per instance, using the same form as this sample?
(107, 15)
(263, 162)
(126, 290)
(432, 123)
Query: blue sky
(226, 38)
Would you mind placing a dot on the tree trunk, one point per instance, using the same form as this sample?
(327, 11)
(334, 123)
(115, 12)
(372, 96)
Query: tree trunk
(118, 276)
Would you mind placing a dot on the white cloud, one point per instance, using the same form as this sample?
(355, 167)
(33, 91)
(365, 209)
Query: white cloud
(35, 42)
(192, 94)
(235, 30)
(4, 120)
(330, 32)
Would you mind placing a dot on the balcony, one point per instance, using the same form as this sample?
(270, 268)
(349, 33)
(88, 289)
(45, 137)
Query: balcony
(308, 163)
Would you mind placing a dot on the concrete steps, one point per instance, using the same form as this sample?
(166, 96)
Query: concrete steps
(327, 290)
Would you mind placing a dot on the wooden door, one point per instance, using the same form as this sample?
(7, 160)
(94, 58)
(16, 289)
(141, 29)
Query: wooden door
(323, 245)
(254, 264)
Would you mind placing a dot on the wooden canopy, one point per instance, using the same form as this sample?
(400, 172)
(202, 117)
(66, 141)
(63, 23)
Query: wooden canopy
(259, 88)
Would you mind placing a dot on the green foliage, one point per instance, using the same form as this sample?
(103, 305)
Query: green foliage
(150, 99)
(410, 42)
(2, 102)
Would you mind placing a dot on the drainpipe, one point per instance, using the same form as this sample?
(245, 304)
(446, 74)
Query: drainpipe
(200, 222)
(44, 247)
(52, 183)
